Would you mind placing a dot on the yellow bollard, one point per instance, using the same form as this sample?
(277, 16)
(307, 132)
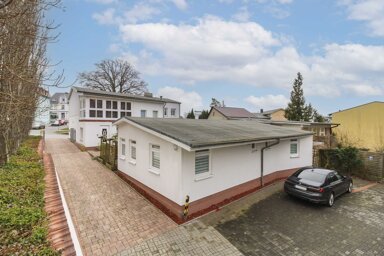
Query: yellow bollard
(186, 206)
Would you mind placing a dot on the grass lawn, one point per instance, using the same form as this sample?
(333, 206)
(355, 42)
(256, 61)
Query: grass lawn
(23, 221)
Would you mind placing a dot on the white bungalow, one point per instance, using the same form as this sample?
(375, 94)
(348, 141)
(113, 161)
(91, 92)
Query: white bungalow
(211, 161)
(91, 112)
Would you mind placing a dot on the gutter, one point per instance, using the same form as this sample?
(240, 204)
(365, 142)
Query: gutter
(262, 159)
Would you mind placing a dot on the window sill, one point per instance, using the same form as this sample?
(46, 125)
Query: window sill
(157, 172)
(122, 158)
(132, 162)
(296, 156)
(203, 177)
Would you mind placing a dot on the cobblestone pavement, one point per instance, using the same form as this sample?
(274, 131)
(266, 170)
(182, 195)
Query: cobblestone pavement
(281, 225)
(111, 217)
(194, 238)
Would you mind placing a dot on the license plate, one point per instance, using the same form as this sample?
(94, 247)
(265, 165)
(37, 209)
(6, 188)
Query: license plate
(300, 187)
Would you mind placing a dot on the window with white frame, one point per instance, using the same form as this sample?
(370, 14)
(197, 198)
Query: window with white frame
(173, 111)
(122, 152)
(108, 104)
(155, 157)
(143, 113)
(322, 131)
(132, 146)
(92, 104)
(294, 148)
(202, 167)
(155, 113)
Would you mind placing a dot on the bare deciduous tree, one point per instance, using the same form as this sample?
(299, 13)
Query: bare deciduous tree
(24, 35)
(114, 76)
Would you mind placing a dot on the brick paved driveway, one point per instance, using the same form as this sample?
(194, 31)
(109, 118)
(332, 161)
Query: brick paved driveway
(112, 218)
(280, 225)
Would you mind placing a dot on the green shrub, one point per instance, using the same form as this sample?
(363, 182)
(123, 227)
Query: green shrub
(345, 160)
(23, 221)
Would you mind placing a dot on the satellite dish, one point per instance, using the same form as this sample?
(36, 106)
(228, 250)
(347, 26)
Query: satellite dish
(4, 3)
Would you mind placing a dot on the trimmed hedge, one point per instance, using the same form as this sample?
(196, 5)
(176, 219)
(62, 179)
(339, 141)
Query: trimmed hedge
(23, 221)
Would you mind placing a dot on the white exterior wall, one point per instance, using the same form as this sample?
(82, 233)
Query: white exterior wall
(168, 181)
(230, 166)
(233, 166)
(169, 106)
(92, 132)
(92, 125)
(278, 158)
(149, 107)
(73, 114)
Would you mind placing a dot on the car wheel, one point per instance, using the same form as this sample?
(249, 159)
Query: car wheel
(350, 187)
(331, 199)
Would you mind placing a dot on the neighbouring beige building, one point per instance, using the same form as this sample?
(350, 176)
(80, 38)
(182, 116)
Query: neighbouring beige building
(275, 114)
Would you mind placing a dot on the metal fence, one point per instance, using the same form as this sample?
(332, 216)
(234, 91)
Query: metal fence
(108, 152)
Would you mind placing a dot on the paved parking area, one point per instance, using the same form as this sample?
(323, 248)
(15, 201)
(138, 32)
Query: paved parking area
(281, 225)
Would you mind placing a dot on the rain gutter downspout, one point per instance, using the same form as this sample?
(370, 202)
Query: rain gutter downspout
(262, 159)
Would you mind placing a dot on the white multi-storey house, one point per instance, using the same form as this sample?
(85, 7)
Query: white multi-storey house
(59, 106)
(91, 112)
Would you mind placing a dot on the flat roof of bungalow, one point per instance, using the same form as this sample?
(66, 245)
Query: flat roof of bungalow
(198, 134)
(121, 95)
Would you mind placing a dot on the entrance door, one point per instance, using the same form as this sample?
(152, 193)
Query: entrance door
(104, 131)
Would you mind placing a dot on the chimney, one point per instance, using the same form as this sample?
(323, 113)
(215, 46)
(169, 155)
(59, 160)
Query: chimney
(261, 110)
(161, 97)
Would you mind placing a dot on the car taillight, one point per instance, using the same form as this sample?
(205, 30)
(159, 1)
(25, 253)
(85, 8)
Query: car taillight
(319, 190)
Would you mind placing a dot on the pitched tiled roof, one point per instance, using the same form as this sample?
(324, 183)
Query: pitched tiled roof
(230, 112)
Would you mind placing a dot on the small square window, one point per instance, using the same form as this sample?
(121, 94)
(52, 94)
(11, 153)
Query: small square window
(115, 114)
(114, 104)
(92, 113)
(128, 114)
(128, 105)
(133, 149)
(99, 113)
(92, 103)
(122, 114)
(173, 111)
(294, 148)
(322, 131)
(202, 162)
(108, 103)
(99, 103)
(155, 156)
(122, 105)
(122, 142)
(143, 113)
(108, 114)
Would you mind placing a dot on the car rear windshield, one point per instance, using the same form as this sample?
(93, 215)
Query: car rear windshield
(312, 175)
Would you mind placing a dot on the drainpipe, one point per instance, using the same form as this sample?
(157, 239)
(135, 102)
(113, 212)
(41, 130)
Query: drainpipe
(262, 158)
